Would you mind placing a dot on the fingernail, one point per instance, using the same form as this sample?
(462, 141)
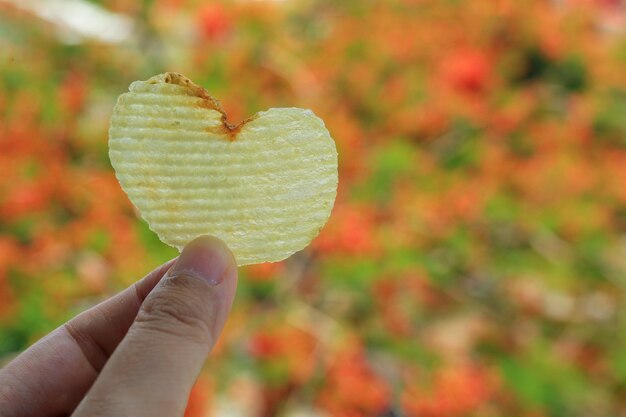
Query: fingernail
(206, 258)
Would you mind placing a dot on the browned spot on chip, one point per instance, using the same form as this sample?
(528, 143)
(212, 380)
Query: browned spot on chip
(211, 103)
(208, 102)
(229, 129)
(194, 89)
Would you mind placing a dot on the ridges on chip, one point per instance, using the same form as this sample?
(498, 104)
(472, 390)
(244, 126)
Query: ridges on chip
(265, 187)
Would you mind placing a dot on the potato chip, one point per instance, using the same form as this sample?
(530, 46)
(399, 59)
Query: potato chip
(265, 187)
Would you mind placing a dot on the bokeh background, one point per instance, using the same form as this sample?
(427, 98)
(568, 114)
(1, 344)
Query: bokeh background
(475, 261)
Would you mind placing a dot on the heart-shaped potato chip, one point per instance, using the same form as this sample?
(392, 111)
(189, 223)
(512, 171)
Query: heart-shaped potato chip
(265, 187)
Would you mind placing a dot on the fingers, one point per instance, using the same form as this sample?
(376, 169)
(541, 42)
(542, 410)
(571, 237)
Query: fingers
(53, 375)
(100, 329)
(154, 367)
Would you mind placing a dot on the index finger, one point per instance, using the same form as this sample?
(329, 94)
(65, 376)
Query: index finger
(53, 375)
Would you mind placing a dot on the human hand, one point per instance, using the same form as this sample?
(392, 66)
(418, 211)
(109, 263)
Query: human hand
(137, 353)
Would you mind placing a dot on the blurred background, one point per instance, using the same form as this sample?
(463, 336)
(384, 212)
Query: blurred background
(475, 260)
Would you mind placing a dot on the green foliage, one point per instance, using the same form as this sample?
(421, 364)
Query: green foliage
(474, 261)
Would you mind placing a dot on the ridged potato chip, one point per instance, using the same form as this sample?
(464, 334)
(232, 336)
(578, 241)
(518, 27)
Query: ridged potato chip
(265, 187)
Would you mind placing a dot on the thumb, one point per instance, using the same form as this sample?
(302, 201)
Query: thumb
(154, 367)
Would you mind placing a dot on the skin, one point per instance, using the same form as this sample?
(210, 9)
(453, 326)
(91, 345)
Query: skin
(137, 353)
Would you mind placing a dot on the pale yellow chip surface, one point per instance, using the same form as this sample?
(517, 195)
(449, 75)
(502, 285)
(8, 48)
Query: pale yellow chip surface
(265, 187)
